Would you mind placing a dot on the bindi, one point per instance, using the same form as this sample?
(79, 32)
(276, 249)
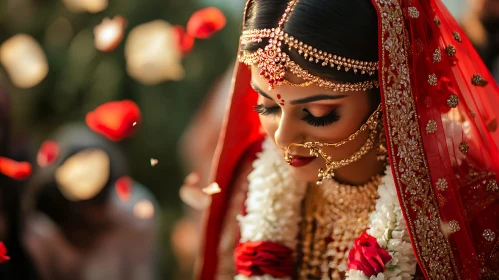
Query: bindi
(281, 101)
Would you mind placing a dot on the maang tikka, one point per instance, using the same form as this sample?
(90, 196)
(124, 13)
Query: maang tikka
(374, 124)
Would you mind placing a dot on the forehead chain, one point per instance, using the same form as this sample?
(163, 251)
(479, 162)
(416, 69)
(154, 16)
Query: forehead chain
(275, 63)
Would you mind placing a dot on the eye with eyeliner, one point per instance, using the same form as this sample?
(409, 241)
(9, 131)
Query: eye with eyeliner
(325, 120)
(310, 119)
(265, 111)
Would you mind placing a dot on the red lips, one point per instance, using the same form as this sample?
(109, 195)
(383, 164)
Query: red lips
(299, 161)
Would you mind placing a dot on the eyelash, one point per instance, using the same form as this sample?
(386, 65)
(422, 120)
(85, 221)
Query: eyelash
(265, 111)
(309, 118)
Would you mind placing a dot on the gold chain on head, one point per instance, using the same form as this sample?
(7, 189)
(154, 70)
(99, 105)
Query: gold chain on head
(274, 62)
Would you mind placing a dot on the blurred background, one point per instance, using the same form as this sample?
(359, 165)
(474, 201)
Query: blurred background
(70, 61)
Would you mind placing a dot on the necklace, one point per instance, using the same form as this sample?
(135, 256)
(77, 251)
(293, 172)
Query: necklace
(333, 215)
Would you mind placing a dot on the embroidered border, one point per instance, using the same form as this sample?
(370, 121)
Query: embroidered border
(409, 163)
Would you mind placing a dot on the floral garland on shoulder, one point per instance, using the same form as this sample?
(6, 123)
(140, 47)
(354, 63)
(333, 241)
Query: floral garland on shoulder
(270, 227)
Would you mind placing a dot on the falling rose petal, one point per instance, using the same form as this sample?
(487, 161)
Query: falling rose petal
(109, 33)
(205, 22)
(212, 189)
(48, 153)
(143, 209)
(15, 170)
(154, 162)
(152, 53)
(123, 187)
(184, 40)
(3, 253)
(114, 119)
(24, 61)
(83, 175)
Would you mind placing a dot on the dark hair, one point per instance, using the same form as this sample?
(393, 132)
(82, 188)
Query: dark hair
(347, 28)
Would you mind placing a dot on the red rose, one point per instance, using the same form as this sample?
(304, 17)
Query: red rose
(205, 23)
(15, 170)
(260, 258)
(3, 253)
(367, 256)
(115, 120)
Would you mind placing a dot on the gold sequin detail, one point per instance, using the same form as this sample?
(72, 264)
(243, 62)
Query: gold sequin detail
(432, 79)
(431, 126)
(492, 186)
(478, 80)
(442, 184)
(334, 215)
(453, 101)
(450, 50)
(437, 56)
(454, 226)
(412, 173)
(489, 235)
(413, 12)
(464, 147)
(457, 36)
(436, 20)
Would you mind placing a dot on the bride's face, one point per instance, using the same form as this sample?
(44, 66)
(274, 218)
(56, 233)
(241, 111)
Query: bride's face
(291, 114)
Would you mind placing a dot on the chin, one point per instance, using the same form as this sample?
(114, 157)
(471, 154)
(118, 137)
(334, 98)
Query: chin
(305, 173)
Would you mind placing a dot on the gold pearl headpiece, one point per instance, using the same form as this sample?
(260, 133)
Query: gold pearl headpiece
(274, 62)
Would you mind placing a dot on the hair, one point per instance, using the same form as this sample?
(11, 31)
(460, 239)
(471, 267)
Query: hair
(347, 28)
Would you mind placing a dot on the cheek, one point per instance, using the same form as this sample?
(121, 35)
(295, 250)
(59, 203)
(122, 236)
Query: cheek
(268, 125)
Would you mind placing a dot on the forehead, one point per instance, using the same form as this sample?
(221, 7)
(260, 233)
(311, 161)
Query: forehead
(289, 91)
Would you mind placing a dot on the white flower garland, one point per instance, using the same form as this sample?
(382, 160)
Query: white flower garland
(273, 213)
(274, 201)
(389, 228)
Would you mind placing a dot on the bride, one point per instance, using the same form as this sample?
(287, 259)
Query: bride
(360, 143)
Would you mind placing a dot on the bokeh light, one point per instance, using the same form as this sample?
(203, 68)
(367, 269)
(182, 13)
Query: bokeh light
(83, 175)
(152, 53)
(24, 60)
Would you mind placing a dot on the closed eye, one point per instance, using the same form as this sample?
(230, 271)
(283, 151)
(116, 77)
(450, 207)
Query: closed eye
(321, 121)
(265, 111)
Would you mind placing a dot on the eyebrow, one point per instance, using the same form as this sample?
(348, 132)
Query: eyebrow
(303, 100)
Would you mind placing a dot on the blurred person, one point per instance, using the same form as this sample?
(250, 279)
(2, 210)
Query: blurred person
(480, 22)
(12, 222)
(94, 237)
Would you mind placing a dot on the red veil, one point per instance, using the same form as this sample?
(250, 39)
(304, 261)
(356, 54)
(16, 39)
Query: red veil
(441, 108)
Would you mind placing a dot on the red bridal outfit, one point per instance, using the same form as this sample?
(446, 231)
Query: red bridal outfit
(440, 107)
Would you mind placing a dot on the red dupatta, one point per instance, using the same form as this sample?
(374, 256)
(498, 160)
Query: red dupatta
(441, 107)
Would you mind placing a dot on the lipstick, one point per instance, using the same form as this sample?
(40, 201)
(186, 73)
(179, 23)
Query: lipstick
(298, 161)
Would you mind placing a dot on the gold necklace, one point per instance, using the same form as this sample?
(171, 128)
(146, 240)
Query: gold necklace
(333, 216)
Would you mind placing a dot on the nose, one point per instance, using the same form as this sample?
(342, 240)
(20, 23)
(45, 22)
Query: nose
(286, 132)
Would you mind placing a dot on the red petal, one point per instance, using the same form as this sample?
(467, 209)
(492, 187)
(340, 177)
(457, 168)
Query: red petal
(185, 41)
(205, 22)
(48, 153)
(15, 170)
(3, 253)
(115, 120)
(123, 188)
